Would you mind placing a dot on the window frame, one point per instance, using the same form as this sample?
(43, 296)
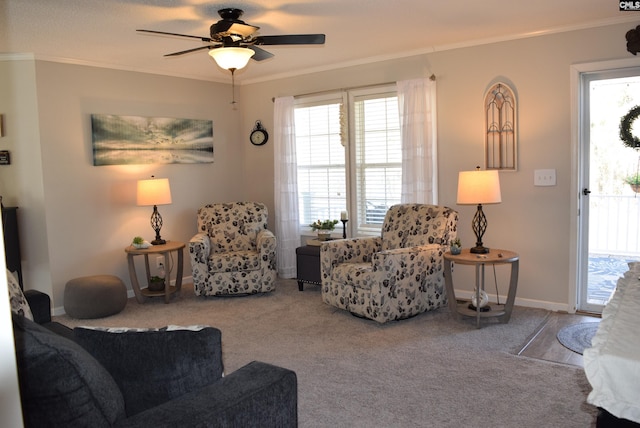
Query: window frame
(348, 139)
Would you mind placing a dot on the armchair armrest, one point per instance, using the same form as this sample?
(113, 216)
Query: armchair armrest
(266, 242)
(352, 250)
(266, 246)
(257, 394)
(199, 251)
(200, 248)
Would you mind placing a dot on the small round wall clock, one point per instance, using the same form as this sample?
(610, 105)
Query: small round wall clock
(259, 135)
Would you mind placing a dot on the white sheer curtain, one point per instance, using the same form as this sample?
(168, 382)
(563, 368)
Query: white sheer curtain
(286, 187)
(417, 104)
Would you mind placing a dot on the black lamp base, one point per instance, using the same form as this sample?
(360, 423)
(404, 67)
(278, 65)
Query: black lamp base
(479, 226)
(156, 225)
(479, 250)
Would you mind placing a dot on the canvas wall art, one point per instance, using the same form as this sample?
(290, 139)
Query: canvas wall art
(134, 140)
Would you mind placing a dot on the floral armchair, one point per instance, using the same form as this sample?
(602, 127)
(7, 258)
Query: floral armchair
(396, 275)
(233, 251)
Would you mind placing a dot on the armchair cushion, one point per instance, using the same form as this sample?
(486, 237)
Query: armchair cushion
(234, 262)
(411, 225)
(155, 366)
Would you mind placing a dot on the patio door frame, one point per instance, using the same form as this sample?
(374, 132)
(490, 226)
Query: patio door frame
(579, 209)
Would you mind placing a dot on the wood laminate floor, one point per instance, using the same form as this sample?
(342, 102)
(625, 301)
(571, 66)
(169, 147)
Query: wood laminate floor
(544, 344)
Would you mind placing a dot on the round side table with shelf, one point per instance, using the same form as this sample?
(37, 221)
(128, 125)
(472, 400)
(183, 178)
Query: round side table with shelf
(493, 257)
(164, 250)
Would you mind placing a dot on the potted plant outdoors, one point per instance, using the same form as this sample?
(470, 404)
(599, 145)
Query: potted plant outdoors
(456, 246)
(324, 228)
(634, 182)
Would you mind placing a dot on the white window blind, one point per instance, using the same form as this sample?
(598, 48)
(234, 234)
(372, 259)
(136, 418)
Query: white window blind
(378, 157)
(349, 158)
(321, 162)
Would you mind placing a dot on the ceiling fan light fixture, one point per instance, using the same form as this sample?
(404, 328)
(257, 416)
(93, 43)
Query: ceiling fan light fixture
(232, 57)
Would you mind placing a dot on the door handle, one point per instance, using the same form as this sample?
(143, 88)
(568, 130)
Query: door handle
(586, 191)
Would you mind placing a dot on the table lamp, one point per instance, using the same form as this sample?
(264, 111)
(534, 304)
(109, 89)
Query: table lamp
(479, 187)
(155, 191)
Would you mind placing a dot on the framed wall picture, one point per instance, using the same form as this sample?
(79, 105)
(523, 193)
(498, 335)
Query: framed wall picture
(133, 140)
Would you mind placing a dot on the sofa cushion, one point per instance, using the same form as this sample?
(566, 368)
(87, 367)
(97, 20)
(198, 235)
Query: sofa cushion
(19, 304)
(152, 367)
(60, 383)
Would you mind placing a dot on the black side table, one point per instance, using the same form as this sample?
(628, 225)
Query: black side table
(308, 265)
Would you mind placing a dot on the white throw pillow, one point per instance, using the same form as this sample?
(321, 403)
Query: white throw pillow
(19, 304)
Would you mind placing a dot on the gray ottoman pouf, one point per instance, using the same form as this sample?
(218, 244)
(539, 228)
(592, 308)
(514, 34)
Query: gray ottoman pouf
(94, 296)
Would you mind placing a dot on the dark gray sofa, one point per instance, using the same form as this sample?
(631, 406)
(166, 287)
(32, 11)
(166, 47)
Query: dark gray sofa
(143, 379)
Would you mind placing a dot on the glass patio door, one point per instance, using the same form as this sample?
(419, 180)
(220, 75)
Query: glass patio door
(609, 206)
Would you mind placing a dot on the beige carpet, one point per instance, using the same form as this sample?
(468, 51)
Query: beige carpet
(431, 370)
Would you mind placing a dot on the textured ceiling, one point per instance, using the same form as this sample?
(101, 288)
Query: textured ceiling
(102, 32)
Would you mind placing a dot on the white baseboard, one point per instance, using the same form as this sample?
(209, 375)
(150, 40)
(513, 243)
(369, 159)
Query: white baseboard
(527, 303)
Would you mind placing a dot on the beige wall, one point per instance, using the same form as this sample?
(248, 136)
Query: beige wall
(76, 219)
(534, 221)
(90, 212)
(21, 183)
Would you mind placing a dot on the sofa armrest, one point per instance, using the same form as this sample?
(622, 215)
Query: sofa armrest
(40, 305)
(257, 394)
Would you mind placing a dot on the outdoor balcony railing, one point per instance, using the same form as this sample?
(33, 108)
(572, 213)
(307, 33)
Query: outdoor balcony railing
(614, 225)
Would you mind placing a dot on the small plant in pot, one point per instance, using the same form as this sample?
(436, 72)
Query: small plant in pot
(633, 181)
(323, 228)
(139, 243)
(156, 283)
(456, 246)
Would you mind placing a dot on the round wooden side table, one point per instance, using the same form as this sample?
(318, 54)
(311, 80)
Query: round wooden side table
(164, 250)
(493, 257)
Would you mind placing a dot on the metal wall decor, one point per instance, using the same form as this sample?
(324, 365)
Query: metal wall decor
(134, 140)
(500, 128)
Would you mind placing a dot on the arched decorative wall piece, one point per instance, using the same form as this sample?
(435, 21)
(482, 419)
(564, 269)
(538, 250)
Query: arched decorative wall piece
(500, 143)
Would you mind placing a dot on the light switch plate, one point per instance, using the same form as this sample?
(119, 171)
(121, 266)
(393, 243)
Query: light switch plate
(544, 177)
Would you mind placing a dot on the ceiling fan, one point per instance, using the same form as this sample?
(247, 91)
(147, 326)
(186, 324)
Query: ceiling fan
(233, 42)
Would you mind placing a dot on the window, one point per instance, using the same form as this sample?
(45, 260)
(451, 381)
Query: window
(349, 158)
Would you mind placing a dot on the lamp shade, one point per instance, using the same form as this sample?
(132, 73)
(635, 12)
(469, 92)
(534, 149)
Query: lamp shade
(155, 191)
(231, 58)
(479, 187)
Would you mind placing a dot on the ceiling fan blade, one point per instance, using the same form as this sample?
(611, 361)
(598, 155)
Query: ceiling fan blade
(190, 50)
(291, 39)
(260, 53)
(204, 39)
